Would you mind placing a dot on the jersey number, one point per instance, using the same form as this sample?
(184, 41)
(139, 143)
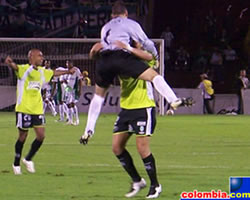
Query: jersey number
(106, 37)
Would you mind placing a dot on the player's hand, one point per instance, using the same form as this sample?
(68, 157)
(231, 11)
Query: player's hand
(85, 137)
(157, 64)
(120, 44)
(8, 60)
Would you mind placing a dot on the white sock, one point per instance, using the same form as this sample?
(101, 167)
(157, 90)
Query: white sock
(76, 113)
(53, 103)
(66, 110)
(94, 112)
(61, 112)
(163, 88)
(52, 108)
(71, 113)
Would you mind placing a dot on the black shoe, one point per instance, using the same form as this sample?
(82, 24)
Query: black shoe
(154, 192)
(182, 102)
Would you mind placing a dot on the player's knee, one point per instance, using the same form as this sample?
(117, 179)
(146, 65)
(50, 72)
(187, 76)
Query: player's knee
(40, 136)
(117, 149)
(148, 75)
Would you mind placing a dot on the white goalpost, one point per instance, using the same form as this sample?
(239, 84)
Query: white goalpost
(58, 50)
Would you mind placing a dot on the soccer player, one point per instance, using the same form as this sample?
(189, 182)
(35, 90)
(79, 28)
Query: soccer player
(137, 116)
(29, 105)
(114, 61)
(73, 92)
(59, 86)
(46, 91)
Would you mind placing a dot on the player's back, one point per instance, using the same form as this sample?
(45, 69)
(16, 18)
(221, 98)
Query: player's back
(122, 29)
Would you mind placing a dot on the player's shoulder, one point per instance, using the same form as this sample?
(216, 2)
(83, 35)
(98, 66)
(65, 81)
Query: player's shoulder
(23, 65)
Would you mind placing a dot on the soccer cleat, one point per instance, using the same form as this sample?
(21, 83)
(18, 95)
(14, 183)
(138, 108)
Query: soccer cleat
(135, 188)
(76, 123)
(154, 192)
(54, 113)
(16, 170)
(69, 122)
(85, 137)
(59, 120)
(29, 166)
(182, 102)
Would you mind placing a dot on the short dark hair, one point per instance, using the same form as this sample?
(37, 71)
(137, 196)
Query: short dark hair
(119, 8)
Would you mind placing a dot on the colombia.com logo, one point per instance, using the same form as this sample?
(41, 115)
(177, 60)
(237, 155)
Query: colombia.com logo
(211, 195)
(239, 188)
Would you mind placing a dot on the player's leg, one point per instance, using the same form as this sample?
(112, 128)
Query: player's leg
(61, 113)
(137, 69)
(52, 107)
(18, 150)
(159, 83)
(143, 143)
(23, 123)
(44, 106)
(144, 125)
(68, 101)
(75, 110)
(74, 107)
(120, 138)
(60, 106)
(66, 111)
(38, 125)
(118, 148)
(95, 108)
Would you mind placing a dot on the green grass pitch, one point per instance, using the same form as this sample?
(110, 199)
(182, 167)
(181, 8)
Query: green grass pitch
(191, 152)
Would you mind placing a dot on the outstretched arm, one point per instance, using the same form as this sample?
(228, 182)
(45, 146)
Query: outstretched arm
(62, 72)
(11, 63)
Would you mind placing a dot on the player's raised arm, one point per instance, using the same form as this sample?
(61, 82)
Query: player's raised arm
(11, 63)
(62, 72)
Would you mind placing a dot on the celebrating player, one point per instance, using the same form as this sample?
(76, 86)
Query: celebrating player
(115, 61)
(73, 92)
(46, 91)
(29, 105)
(59, 86)
(137, 116)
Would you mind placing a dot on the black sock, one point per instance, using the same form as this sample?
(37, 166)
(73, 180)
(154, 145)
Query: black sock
(149, 163)
(127, 163)
(34, 148)
(18, 151)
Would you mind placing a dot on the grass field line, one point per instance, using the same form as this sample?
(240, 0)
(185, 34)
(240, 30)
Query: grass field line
(118, 165)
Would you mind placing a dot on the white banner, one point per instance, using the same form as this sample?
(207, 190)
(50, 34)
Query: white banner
(112, 100)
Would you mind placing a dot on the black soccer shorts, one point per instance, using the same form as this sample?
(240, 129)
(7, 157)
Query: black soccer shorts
(139, 121)
(26, 121)
(113, 63)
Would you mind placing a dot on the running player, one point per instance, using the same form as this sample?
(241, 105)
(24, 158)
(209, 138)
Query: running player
(29, 105)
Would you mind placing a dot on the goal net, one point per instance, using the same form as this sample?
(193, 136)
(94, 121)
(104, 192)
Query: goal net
(58, 50)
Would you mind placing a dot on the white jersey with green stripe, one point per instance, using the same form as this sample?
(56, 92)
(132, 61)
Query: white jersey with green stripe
(136, 93)
(29, 85)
